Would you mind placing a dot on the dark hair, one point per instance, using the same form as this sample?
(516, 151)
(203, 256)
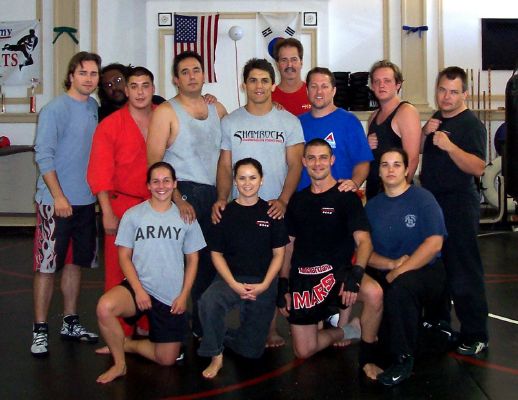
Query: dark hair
(160, 164)
(321, 70)
(258, 63)
(398, 75)
(317, 142)
(289, 42)
(452, 73)
(110, 67)
(248, 161)
(138, 71)
(78, 59)
(399, 150)
(183, 56)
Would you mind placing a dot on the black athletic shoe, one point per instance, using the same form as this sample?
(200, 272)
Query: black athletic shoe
(397, 372)
(472, 349)
(73, 330)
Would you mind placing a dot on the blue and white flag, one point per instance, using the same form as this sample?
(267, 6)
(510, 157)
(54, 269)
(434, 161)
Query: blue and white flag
(275, 26)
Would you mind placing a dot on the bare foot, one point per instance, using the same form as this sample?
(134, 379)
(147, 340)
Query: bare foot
(102, 350)
(113, 373)
(342, 343)
(372, 371)
(274, 340)
(215, 365)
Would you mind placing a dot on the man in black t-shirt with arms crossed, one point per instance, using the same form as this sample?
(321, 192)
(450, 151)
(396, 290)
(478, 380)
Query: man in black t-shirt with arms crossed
(325, 226)
(454, 153)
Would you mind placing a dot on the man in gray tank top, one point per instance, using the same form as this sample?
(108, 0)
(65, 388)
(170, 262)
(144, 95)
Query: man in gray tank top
(186, 132)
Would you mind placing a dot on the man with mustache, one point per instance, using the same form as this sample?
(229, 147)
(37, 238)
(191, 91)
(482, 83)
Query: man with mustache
(291, 92)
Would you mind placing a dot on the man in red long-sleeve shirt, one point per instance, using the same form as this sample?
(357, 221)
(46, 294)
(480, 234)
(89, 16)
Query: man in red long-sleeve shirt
(118, 165)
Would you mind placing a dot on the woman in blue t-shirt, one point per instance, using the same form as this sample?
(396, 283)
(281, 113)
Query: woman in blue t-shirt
(407, 230)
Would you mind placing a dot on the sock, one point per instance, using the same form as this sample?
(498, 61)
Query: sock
(367, 353)
(351, 332)
(40, 327)
(71, 318)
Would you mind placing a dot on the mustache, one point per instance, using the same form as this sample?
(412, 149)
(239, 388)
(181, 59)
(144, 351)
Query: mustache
(289, 69)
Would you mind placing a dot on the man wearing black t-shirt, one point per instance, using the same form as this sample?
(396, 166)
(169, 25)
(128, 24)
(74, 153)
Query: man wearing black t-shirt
(325, 227)
(454, 153)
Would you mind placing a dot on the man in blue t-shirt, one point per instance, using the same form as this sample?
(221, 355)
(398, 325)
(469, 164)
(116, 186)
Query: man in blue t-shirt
(340, 128)
(65, 206)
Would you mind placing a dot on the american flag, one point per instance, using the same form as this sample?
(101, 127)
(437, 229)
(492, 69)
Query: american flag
(199, 34)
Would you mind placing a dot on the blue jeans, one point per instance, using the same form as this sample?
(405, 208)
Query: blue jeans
(255, 318)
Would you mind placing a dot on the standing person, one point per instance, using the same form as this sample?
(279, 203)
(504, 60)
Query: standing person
(395, 124)
(65, 206)
(274, 137)
(291, 92)
(454, 153)
(186, 132)
(340, 128)
(325, 226)
(112, 92)
(153, 241)
(408, 259)
(247, 274)
(118, 165)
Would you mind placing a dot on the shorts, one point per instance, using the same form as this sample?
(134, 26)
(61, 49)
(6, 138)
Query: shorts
(54, 235)
(164, 327)
(314, 293)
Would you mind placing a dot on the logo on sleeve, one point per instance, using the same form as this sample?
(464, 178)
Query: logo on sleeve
(327, 210)
(410, 220)
(330, 138)
(263, 224)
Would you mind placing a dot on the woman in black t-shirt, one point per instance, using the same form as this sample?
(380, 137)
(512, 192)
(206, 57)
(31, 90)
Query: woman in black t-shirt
(247, 249)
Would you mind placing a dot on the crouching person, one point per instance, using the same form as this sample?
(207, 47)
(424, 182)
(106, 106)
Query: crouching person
(325, 227)
(247, 249)
(407, 233)
(152, 241)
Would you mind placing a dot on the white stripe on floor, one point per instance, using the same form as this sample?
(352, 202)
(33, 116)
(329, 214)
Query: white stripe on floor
(512, 321)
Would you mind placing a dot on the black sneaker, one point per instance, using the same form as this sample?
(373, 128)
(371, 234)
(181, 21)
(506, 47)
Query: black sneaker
(442, 330)
(73, 330)
(472, 349)
(397, 372)
(40, 341)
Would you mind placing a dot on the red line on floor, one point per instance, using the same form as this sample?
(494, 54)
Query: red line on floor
(484, 364)
(241, 385)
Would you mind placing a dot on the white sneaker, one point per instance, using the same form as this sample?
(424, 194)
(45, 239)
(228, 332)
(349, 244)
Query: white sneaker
(40, 339)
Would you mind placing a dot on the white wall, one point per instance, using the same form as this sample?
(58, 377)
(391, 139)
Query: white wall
(349, 38)
(356, 39)
(463, 37)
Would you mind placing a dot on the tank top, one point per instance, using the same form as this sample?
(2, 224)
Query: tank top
(195, 151)
(387, 139)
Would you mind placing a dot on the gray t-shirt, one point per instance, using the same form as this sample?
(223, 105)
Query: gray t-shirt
(159, 241)
(63, 142)
(264, 138)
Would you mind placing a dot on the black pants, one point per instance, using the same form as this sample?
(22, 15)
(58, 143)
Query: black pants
(461, 254)
(410, 297)
(201, 197)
